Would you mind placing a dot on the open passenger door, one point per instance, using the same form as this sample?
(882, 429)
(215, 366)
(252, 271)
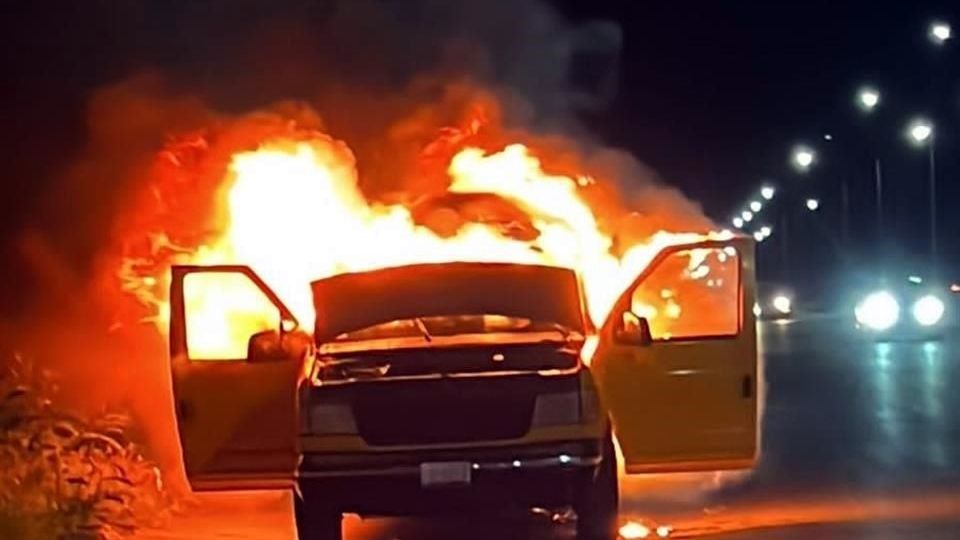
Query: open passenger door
(676, 363)
(236, 366)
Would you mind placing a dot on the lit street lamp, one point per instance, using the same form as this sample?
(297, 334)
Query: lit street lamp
(940, 32)
(747, 216)
(738, 222)
(803, 158)
(868, 98)
(758, 236)
(922, 133)
(813, 205)
(756, 206)
(767, 192)
(766, 231)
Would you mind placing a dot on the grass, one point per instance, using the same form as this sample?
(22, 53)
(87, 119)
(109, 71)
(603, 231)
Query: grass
(63, 477)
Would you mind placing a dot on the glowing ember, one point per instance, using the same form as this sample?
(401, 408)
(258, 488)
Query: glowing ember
(292, 210)
(633, 530)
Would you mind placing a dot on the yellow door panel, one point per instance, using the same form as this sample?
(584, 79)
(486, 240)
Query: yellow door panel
(676, 364)
(234, 379)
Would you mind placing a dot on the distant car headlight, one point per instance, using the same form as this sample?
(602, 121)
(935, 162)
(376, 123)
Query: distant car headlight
(782, 303)
(928, 310)
(878, 311)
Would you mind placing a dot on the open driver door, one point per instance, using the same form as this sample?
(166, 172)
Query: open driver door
(236, 364)
(676, 363)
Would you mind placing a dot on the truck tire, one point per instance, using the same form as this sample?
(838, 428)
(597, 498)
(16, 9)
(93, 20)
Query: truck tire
(597, 504)
(314, 522)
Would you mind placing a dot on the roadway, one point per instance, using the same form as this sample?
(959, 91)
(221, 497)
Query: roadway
(860, 440)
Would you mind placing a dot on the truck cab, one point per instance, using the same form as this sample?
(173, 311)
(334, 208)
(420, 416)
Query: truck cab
(453, 388)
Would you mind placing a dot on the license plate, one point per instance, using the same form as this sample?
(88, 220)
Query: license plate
(445, 474)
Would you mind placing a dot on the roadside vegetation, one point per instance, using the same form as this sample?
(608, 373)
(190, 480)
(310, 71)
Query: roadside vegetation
(64, 477)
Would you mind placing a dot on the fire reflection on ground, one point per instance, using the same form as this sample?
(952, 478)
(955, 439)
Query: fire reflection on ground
(267, 516)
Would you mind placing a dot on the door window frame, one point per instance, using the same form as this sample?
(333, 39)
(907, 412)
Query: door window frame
(626, 300)
(178, 315)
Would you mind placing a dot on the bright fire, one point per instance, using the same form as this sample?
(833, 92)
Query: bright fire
(293, 211)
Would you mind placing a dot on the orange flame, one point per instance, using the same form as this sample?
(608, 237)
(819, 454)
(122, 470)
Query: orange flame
(293, 211)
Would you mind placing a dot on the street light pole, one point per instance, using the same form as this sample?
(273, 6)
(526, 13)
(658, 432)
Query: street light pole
(845, 211)
(785, 245)
(933, 200)
(878, 179)
(923, 132)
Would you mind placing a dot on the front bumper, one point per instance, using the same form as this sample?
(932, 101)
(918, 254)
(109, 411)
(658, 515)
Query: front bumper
(505, 479)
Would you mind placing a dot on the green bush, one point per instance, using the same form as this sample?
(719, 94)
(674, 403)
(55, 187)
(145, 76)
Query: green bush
(63, 477)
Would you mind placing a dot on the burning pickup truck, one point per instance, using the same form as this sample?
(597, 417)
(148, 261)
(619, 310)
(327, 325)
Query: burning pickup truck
(465, 387)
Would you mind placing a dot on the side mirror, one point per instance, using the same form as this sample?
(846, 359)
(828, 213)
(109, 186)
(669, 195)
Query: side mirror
(266, 346)
(273, 346)
(633, 329)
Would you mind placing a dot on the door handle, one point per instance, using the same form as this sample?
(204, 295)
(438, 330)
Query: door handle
(746, 387)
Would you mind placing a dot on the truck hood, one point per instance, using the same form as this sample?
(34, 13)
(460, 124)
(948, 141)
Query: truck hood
(349, 302)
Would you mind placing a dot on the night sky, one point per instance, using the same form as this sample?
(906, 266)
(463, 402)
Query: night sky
(712, 95)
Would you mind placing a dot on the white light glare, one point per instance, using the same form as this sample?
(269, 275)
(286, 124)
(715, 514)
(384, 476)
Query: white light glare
(782, 303)
(813, 205)
(756, 206)
(803, 157)
(868, 98)
(879, 311)
(928, 310)
(738, 222)
(940, 32)
(767, 192)
(920, 130)
(759, 237)
(747, 216)
(766, 231)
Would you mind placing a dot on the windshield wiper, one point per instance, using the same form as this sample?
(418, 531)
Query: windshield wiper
(355, 367)
(568, 334)
(564, 331)
(423, 329)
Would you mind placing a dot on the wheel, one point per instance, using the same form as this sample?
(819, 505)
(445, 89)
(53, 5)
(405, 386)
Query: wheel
(315, 522)
(597, 504)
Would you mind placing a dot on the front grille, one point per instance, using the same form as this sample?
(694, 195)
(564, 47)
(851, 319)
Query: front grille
(448, 411)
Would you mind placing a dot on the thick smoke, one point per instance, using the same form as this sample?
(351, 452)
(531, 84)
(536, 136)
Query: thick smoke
(387, 77)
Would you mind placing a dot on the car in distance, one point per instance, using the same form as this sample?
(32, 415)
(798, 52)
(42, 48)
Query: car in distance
(903, 309)
(775, 302)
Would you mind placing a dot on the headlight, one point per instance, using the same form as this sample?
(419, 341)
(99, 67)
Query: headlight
(928, 310)
(782, 304)
(878, 311)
